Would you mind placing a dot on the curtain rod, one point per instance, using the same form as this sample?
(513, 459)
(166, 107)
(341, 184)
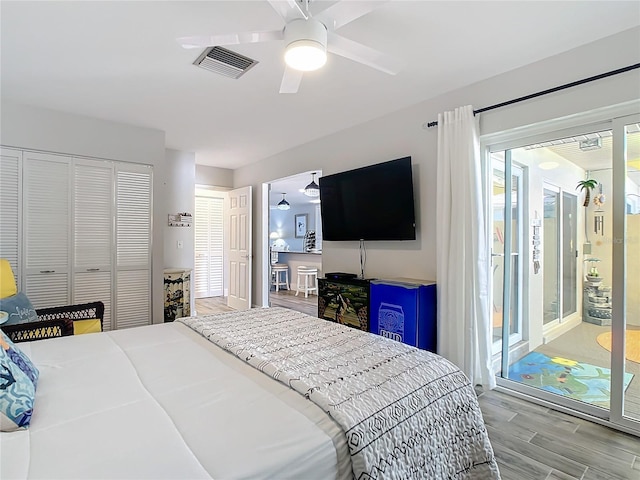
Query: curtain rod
(545, 92)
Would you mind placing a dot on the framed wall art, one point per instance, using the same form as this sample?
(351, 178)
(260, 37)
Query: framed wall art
(301, 224)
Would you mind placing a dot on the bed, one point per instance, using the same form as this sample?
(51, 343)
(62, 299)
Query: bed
(266, 393)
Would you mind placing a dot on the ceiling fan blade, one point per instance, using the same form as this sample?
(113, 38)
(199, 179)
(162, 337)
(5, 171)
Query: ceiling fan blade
(362, 54)
(289, 9)
(290, 80)
(341, 13)
(230, 39)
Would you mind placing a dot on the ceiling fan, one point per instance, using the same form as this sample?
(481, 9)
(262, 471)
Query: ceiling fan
(307, 38)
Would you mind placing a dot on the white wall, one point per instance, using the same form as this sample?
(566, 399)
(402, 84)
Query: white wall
(401, 134)
(283, 222)
(41, 129)
(178, 197)
(219, 177)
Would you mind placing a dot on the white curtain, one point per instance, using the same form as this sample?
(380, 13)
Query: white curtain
(464, 332)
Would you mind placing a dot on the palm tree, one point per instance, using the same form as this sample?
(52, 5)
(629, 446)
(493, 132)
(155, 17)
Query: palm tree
(587, 185)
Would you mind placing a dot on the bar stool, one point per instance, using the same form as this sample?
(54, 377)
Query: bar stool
(310, 275)
(276, 270)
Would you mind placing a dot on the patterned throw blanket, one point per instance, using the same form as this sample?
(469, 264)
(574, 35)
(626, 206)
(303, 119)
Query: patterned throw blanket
(406, 413)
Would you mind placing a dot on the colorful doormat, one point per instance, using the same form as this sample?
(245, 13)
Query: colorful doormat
(577, 380)
(632, 347)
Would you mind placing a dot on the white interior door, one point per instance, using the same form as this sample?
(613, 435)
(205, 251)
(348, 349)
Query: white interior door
(133, 208)
(240, 248)
(47, 229)
(10, 195)
(92, 208)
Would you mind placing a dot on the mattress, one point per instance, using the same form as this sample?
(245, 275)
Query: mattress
(159, 402)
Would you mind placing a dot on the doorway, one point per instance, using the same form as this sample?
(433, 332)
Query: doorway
(560, 256)
(209, 247)
(293, 238)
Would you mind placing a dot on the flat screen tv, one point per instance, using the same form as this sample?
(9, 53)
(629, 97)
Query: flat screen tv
(369, 203)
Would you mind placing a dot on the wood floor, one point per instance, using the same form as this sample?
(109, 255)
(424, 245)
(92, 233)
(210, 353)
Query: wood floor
(530, 442)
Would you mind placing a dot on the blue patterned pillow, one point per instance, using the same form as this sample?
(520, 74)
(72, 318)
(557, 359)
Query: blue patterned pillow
(17, 387)
(19, 358)
(19, 308)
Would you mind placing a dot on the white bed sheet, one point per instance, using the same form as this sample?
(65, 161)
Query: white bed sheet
(163, 402)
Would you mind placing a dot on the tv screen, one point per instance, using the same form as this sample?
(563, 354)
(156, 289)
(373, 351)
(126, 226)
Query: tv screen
(369, 203)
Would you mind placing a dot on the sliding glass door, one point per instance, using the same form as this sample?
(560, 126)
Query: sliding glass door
(565, 239)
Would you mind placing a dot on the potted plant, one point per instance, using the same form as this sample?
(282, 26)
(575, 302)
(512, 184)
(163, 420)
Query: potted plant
(587, 185)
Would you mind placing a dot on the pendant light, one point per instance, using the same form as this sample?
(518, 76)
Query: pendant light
(283, 204)
(312, 190)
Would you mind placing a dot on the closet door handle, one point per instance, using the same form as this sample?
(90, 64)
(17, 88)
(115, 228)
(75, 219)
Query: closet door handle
(93, 269)
(47, 271)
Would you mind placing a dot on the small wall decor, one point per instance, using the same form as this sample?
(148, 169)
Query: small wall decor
(598, 222)
(301, 224)
(180, 219)
(598, 215)
(535, 242)
(587, 186)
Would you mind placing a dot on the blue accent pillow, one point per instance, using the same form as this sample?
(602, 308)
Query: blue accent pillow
(19, 358)
(19, 309)
(18, 379)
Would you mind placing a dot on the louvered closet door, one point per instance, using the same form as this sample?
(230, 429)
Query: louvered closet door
(46, 229)
(93, 233)
(10, 192)
(133, 245)
(209, 247)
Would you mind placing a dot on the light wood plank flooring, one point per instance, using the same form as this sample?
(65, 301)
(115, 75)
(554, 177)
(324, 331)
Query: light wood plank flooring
(530, 442)
(288, 299)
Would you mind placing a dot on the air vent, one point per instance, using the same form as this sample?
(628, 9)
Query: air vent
(225, 62)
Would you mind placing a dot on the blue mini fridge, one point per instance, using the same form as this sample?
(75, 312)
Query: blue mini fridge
(405, 310)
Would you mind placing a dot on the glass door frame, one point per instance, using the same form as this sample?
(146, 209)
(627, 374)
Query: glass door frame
(547, 186)
(561, 318)
(619, 267)
(610, 118)
(518, 172)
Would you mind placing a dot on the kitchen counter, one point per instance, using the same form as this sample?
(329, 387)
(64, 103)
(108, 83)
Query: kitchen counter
(298, 253)
(296, 259)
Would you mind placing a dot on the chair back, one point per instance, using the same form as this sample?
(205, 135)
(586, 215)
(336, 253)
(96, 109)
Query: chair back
(8, 285)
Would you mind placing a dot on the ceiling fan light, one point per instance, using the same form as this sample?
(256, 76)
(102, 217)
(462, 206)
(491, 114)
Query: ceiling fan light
(306, 42)
(305, 55)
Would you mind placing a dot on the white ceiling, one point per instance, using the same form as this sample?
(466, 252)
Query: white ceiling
(119, 61)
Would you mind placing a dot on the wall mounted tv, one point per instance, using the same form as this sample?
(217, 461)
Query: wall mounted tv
(369, 203)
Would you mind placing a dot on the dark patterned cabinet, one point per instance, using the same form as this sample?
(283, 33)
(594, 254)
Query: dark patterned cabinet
(344, 301)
